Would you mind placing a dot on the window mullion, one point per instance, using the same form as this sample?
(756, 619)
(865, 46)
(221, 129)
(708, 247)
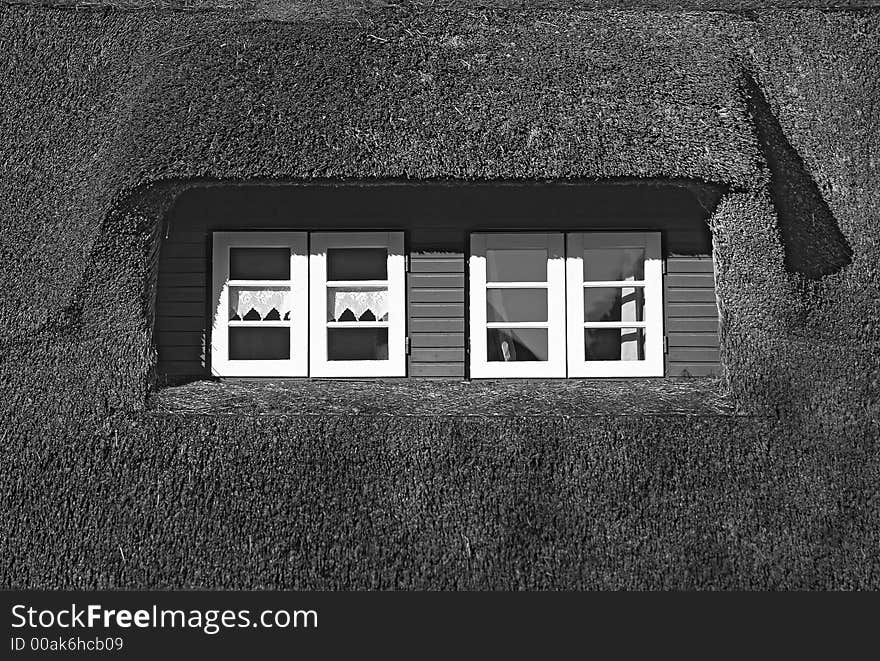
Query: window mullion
(614, 283)
(615, 324)
(259, 283)
(517, 324)
(517, 285)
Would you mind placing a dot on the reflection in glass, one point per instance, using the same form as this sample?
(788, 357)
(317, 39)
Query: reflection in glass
(514, 265)
(357, 304)
(516, 305)
(357, 264)
(516, 344)
(357, 344)
(259, 304)
(614, 264)
(255, 343)
(614, 303)
(259, 263)
(614, 343)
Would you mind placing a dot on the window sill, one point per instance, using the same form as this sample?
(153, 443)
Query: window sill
(423, 398)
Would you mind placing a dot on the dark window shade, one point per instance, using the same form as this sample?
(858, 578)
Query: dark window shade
(357, 344)
(259, 343)
(357, 264)
(259, 263)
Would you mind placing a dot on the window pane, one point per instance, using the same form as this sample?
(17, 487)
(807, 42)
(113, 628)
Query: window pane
(614, 343)
(614, 303)
(357, 304)
(516, 344)
(514, 265)
(259, 263)
(357, 344)
(614, 263)
(262, 304)
(357, 264)
(516, 305)
(248, 343)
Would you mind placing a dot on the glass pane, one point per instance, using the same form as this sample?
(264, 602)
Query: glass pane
(614, 264)
(614, 303)
(516, 305)
(248, 343)
(515, 265)
(357, 304)
(259, 304)
(614, 343)
(357, 264)
(259, 263)
(516, 344)
(357, 344)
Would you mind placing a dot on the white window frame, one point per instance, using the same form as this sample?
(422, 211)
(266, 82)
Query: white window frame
(395, 365)
(480, 366)
(652, 365)
(297, 365)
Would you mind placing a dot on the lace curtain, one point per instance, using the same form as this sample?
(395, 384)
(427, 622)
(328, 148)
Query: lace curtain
(359, 302)
(262, 301)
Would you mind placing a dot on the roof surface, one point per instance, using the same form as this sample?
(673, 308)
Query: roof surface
(108, 102)
(307, 8)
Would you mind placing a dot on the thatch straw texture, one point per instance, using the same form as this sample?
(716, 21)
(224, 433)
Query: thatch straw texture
(108, 113)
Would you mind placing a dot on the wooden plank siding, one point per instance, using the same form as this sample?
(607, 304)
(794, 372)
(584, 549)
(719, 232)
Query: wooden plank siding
(181, 307)
(436, 307)
(438, 224)
(691, 317)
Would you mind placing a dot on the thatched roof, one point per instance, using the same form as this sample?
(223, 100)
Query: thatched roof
(108, 101)
(360, 10)
(305, 8)
(103, 103)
